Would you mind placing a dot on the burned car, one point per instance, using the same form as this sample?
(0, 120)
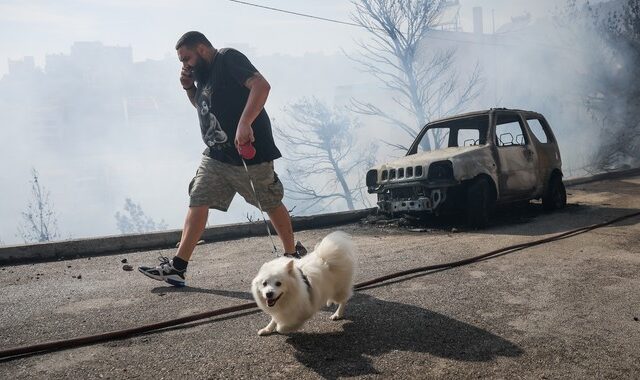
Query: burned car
(471, 163)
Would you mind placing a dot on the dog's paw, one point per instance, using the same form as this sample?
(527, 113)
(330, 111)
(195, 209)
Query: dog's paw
(335, 317)
(264, 331)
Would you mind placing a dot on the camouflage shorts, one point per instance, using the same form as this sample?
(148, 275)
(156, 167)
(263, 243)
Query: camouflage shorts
(216, 183)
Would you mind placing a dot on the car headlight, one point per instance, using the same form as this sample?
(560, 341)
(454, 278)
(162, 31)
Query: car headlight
(372, 178)
(440, 170)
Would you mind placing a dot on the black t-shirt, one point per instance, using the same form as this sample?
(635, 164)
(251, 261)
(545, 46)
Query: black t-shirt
(220, 102)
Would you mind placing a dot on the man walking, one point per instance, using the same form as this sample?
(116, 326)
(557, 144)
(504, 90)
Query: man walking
(229, 95)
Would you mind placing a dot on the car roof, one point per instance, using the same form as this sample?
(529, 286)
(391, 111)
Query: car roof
(481, 113)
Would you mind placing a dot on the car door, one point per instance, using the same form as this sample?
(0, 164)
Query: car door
(546, 147)
(516, 156)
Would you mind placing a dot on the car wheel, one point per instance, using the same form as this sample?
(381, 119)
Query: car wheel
(555, 197)
(479, 203)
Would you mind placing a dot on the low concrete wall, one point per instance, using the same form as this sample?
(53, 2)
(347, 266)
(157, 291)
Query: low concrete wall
(602, 176)
(107, 245)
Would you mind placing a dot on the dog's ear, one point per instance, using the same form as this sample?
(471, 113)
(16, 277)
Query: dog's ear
(290, 267)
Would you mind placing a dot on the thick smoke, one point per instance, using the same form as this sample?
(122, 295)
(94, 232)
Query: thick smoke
(101, 128)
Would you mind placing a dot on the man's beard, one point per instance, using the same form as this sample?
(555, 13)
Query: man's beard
(201, 70)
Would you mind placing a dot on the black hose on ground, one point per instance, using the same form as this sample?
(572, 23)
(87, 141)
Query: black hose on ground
(16, 352)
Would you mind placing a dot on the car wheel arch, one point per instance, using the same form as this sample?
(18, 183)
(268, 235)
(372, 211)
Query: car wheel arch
(480, 201)
(489, 179)
(555, 172)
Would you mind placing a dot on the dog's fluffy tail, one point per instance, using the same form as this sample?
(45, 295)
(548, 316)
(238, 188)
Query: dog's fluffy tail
(335, 247)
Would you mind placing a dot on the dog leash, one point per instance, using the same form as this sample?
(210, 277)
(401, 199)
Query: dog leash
(275, 250)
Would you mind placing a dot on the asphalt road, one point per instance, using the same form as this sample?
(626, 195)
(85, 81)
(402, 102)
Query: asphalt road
(566, 309)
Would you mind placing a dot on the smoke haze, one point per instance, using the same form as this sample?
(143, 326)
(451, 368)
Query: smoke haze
(90, 97)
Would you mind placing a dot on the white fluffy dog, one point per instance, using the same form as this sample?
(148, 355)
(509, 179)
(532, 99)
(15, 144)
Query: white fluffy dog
(292, 291)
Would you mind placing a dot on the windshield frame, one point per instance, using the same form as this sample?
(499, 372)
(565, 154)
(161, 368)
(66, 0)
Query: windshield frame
(465, 120)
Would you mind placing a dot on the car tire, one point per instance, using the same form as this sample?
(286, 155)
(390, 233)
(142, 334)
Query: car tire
(480, 201)
(555, 197)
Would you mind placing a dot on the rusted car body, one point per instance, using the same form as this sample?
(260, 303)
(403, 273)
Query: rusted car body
(482, 159)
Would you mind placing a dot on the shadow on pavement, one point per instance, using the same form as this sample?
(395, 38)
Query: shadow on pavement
(516, 220)
(507, 220)
(377, 327)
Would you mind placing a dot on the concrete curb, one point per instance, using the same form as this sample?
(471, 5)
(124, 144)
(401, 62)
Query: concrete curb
(602, 176)
(109, 245)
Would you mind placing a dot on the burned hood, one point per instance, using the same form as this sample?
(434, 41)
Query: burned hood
(425, 158)
(467, 161)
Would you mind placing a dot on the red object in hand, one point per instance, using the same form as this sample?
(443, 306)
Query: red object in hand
(247, 151)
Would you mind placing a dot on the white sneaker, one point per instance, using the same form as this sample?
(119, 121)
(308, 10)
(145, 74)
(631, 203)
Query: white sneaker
(165, 272)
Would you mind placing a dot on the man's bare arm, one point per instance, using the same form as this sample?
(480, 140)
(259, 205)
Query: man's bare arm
(258, 92)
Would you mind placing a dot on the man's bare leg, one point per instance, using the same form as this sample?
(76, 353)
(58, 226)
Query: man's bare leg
(173, 271)
(281, 221)
(194, 225)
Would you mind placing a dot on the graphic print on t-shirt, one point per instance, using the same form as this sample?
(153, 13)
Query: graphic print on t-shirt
(212, 132)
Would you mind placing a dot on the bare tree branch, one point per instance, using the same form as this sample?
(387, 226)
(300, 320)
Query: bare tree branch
(40, 223)
(323, 161)
(134, 220)
(424, 87)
